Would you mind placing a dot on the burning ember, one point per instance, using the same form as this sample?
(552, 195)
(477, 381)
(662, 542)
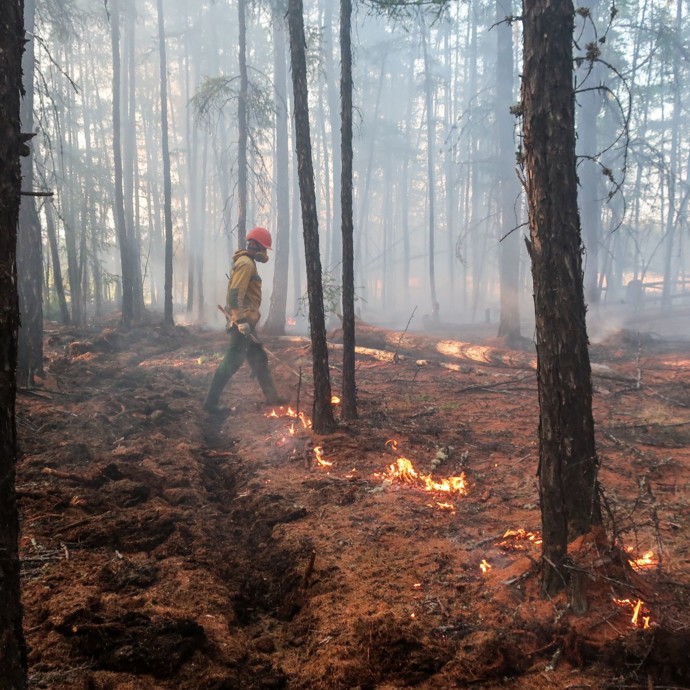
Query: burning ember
(320, 460)
(514, 539)
(638, 607)
(485, 566)
(647, 560)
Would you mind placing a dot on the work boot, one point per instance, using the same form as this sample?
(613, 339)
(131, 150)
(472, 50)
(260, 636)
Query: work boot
(213, 396)
(265, 379)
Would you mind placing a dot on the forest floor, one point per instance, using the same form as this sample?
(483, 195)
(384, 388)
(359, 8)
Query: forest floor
(165, 548)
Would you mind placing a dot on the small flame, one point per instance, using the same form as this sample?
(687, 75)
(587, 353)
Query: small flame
(485, 566)
(291, 429)
(452, 484)
(393, 444)
(647, 560)
(318, 456)
(273, 414)
(637, 608)
(519, 535)
(404, 471)
(306, 422)
(335, 400)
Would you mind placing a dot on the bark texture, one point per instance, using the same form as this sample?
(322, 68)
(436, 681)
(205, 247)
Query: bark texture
(567, 455)
(322, 413)
(12, 647)
(29, 254)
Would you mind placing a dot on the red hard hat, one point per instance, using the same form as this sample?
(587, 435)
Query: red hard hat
(260, 235)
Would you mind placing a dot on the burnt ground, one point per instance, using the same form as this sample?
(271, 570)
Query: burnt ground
(163, 548)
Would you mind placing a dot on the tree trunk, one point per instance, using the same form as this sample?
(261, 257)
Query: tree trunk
(12, 647)
(431, 184)
(275, 322)
(590, 101)
(568, 460)
(130, 165)
(332, 82)
(168, 319)
(509, 247)
(57, 269)
(119, 209)
(322, 414)
(242, 127)
(29, 255)
(349, 391)
(673, 175)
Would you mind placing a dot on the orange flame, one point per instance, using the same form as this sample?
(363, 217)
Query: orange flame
(519, 535)
(393, 445)
(335, 400)
(637, 608)
(404, 471)
(647, 560)
(318, 456)
(291, 429)
(485, 566)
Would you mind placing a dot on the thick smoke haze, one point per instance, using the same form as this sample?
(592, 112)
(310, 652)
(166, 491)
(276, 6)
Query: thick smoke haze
(437, 157)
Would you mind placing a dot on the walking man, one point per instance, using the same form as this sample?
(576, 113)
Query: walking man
(242, 313)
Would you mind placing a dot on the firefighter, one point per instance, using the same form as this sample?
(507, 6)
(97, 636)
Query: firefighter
(242, 313)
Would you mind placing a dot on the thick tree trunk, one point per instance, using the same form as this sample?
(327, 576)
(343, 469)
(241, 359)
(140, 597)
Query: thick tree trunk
(568, 460)
(322, 414)
(13, 660)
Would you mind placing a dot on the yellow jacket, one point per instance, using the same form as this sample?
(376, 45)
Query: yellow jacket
(243, 299)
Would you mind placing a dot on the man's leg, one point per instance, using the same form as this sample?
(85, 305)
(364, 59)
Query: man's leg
(234, 356)
(258, 361)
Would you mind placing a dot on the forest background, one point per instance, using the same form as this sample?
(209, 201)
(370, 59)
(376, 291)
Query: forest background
(122, 189)
(436, 136)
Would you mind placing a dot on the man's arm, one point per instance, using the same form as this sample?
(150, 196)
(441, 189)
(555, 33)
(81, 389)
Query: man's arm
(237, 289)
